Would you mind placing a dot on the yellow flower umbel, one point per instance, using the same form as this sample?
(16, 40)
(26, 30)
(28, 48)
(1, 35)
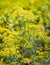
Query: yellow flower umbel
(27, 60)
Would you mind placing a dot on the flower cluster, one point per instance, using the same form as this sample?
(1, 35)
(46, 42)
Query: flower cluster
(25, 35)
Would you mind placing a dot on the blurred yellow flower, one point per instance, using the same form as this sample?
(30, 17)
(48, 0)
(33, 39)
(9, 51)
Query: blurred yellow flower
(27, 60)
(19, 55)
